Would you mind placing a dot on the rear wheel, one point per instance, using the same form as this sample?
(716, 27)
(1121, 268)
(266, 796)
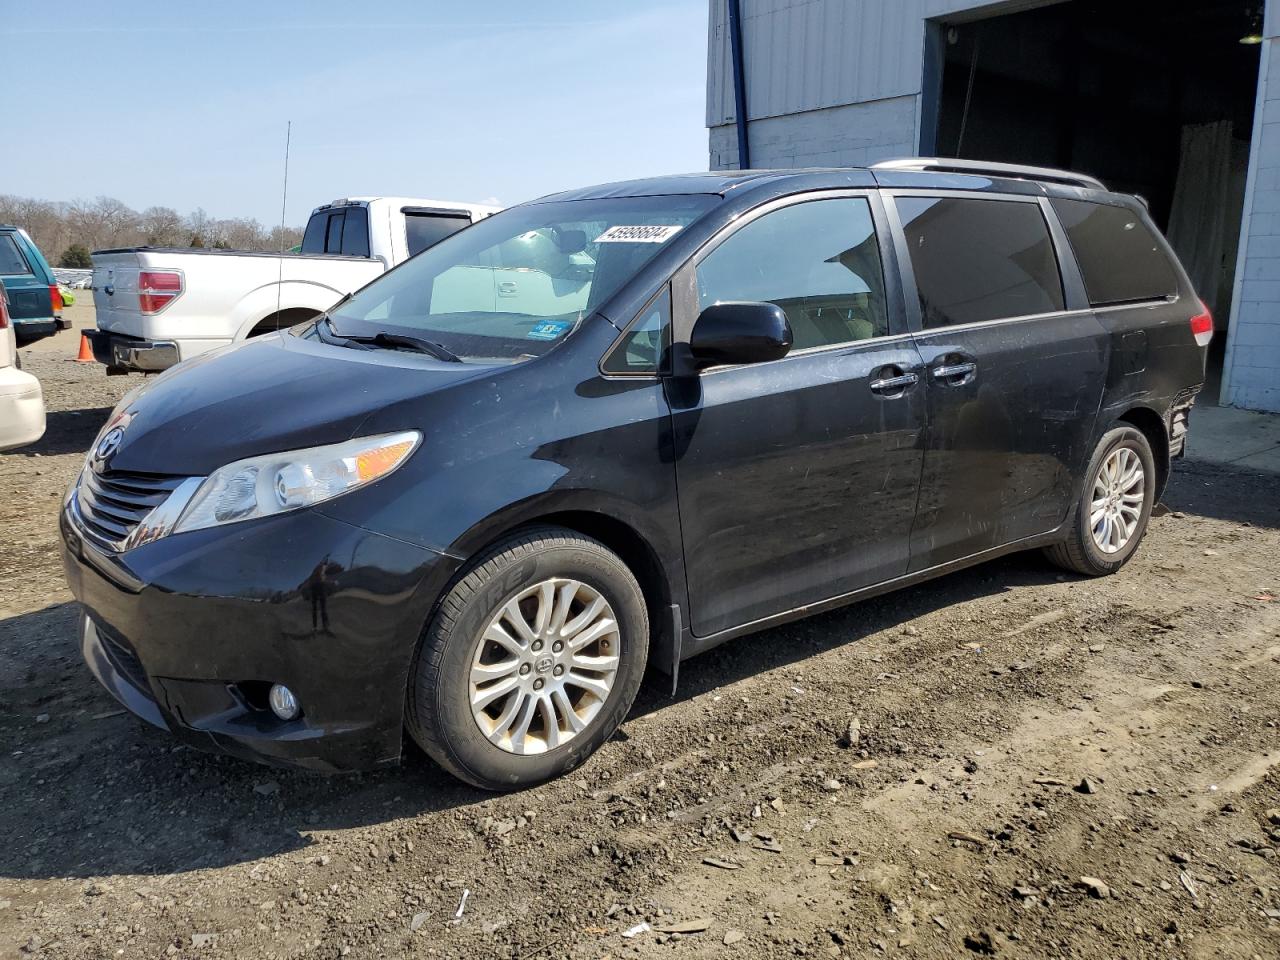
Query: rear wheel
(531, 662)
(1111, 516)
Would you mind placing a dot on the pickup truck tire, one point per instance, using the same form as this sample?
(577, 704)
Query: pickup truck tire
(1119, 487)
(584, 622)
(280, 321)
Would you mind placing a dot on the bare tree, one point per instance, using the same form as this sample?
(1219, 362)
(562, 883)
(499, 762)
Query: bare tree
(161, 227)
(106, 222)
(102, 222)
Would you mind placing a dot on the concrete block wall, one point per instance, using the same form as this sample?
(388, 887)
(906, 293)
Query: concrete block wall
(853, 135)
(1251, 375)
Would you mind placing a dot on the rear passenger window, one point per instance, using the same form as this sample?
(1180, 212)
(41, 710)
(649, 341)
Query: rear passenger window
(819, 261)
(1121, 259)
(355, 233)
(12, 263)
(333, 238)
(978, 260)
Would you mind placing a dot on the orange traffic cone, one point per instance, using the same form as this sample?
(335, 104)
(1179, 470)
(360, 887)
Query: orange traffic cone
(86, 351)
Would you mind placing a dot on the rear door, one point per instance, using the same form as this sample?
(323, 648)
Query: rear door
(28, 287)
(1015, 364)
(798, 478)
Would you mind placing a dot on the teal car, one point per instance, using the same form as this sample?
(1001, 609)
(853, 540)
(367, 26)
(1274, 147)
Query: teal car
(35, 305)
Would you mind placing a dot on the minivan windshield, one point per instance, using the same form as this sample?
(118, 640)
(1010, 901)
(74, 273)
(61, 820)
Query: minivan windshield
(515, 284)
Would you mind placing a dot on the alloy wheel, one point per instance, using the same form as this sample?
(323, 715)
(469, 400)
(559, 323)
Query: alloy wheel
(544, 666)
(1119, 491)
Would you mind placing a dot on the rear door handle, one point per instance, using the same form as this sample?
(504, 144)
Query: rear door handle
(894, 385)
(955, 371)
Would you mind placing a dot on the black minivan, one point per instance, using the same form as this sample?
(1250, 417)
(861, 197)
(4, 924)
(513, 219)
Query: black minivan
(613, 428)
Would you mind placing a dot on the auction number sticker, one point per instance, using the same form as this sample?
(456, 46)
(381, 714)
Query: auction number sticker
(654, 233)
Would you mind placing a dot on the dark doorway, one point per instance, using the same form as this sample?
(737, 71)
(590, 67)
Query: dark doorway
(1155, 97)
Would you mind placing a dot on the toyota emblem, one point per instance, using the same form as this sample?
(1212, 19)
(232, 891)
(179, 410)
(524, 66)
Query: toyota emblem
(108, 445)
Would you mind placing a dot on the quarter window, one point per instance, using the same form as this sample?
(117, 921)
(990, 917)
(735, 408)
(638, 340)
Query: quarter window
(1121, 259)
(819, 261)
(641, 349)
(978, 260)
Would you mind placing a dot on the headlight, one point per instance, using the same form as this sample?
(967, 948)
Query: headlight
(280, 482)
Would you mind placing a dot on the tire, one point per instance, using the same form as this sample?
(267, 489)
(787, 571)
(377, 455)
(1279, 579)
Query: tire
(1082, 551)
(454, 649)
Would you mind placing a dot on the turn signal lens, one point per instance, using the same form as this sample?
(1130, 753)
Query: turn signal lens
(375, 463)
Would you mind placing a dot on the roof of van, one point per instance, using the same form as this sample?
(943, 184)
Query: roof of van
(909, 171)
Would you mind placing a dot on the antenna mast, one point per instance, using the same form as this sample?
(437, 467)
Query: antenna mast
(284, 200)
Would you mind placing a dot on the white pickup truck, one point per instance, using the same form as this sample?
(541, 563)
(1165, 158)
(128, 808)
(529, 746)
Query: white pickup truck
(158, 306)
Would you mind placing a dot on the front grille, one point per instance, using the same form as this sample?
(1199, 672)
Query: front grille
(120, 652)
(112, 504)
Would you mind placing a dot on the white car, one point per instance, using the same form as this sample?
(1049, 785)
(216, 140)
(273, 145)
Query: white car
(21, 400)
(156, 307)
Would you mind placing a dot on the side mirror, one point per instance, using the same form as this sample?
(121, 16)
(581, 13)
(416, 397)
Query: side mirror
(740, 332)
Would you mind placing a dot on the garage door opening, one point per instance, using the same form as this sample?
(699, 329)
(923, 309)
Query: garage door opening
(1155, 97)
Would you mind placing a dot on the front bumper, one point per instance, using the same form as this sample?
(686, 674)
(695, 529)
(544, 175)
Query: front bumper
(189, 631)
(21, 409)
(124, 353)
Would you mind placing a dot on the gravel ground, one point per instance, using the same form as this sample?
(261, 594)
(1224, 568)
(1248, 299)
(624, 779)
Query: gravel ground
(1041, 766)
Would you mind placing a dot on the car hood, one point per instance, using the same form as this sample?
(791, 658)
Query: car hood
(276, 393)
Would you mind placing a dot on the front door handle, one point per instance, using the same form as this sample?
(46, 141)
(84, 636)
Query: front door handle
(893, 382)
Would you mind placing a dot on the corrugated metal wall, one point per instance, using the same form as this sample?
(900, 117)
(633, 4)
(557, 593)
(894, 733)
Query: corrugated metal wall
(811, 54)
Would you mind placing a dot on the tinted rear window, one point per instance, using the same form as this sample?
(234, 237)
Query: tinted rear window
(978, 260)
(12, 263)
(1121, 259)
(355, 233)
(344, 231)
(424, 230)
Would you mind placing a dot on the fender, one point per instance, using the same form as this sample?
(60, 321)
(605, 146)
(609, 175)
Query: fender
(257, 305)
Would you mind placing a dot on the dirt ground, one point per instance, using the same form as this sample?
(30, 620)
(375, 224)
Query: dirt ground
(1043, 766)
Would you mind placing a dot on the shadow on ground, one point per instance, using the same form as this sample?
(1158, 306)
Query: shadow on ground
(66, 431)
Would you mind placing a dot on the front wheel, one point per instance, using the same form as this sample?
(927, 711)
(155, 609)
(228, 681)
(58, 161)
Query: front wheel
(531, 662)
(1109, 520)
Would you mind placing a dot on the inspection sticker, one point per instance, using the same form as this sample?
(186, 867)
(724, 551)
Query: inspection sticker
(653, 233)
(548, 330)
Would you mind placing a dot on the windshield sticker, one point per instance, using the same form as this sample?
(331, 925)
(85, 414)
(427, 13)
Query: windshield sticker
(549, 330)
(654, 233)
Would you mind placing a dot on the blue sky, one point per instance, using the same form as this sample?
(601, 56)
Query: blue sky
(184, 104)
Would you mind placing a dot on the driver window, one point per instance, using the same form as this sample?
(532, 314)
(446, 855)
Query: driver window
(818, 260)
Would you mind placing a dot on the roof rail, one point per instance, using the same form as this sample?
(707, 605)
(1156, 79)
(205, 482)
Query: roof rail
(1010, 171)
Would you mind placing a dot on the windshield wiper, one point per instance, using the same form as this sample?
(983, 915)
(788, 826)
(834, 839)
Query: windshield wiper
(384, 339)
(429, 347)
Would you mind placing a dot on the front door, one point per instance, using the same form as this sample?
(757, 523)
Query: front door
(798, 478)
(1015, 364)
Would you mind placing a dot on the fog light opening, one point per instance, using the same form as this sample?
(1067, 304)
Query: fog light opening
(283, 703)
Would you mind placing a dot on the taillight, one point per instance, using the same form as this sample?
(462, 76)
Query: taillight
(4, 309)
(1202, 326)
(157, 289)
(55, 295)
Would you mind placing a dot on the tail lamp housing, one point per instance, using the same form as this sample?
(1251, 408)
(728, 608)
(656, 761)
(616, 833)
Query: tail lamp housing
(1202, 326)
(157, 289)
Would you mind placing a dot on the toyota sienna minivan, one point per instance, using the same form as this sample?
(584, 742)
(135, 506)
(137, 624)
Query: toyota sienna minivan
(613, 428)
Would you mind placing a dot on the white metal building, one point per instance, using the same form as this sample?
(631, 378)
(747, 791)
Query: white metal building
(1166, 98)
